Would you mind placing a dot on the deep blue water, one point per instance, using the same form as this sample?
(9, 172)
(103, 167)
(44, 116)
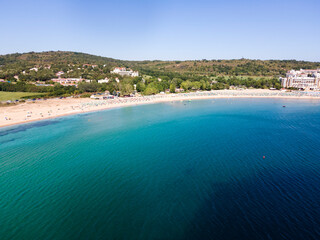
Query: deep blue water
(166, 171)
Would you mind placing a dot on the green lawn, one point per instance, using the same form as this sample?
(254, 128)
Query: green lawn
(4, 96)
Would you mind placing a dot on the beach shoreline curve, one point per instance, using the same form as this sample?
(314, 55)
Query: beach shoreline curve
(54, 108)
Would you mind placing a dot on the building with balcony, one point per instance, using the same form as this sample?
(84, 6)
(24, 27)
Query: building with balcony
(304, 79)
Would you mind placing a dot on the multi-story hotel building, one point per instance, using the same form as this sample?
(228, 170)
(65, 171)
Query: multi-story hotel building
(124, 72)
(303, 79)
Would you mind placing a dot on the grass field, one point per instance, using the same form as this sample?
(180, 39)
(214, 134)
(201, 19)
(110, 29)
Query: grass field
(4, 96)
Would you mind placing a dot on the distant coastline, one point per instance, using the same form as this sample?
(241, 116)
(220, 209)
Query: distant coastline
(53, 108)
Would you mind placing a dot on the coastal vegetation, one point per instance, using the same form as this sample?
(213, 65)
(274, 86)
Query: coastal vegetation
(22, 72)
(4, 96)
(12, 64)
(56, 90)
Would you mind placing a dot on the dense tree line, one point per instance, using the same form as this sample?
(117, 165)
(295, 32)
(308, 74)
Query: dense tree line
(14, 64)
(148, 86)
(56, 90)
(236, 67)
(158, 76)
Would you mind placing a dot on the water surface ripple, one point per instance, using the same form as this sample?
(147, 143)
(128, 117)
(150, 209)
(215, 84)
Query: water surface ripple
(222, 169)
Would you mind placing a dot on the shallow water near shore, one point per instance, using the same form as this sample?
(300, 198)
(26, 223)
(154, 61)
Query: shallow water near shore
(206, 169)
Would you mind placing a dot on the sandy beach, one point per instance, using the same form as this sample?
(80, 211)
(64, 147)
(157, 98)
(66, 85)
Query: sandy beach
(51, 108)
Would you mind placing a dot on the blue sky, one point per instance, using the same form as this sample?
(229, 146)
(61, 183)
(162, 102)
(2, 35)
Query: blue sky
(166, 30)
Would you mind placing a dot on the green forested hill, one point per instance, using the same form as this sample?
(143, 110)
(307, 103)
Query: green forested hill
(15, 63)
(239, 67)
(53, 57)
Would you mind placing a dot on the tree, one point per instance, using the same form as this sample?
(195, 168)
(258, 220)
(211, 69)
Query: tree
(140, 86)
(136, 80)
(176, 81)
(88, 87)
(112, 86)
(196, 85)
(277, 85)
(151, 90)
(172, 88)
(186, 85)
(126, 89)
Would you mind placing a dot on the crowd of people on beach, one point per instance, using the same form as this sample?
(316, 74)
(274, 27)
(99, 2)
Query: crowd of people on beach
(186, 96)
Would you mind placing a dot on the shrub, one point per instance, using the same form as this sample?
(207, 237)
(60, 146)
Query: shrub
(85, 95)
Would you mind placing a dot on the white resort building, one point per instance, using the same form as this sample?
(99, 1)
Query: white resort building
(106, 80)
(303, 79)
(69, 81)
(124, 72)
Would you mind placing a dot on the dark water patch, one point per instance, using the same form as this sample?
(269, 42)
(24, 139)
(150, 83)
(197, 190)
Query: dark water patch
(26, 126)
(273, 205)
(9, 140)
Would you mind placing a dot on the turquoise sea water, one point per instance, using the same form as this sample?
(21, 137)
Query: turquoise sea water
(181, 170)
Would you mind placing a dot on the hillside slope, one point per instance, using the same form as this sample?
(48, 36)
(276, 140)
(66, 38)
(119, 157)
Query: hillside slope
(53, 57)
(237, 67)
